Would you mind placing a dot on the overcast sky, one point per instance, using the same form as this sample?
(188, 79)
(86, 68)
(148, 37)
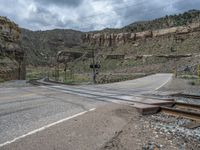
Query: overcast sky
(87, 15)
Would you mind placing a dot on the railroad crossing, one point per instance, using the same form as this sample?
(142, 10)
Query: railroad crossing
(30, 111)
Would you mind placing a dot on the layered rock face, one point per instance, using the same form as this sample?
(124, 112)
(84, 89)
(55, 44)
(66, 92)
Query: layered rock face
(116, 39)
(12, 56)
(9, 36)
(36, 44)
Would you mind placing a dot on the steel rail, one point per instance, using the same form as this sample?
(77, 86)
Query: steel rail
(186, 96)
(188, 114)
(187, 106)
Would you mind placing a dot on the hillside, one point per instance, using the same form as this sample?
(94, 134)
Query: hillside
(11, 53)
(40, 44)
(186, 18)
(164, 22)
(168, 44)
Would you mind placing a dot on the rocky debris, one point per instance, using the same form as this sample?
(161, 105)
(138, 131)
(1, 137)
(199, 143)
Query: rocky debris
(174, 128)
(146, 133)
(112, 39)
(151, 146)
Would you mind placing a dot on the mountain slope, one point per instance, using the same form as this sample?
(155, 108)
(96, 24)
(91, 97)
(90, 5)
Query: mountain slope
(165, 22)
(40, 44)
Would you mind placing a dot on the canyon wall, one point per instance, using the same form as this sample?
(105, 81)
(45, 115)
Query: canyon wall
(116, 39)
(11, 55)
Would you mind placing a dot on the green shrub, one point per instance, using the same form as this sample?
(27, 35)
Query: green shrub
(2, 80)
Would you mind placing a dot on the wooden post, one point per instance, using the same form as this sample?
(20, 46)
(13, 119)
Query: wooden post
(198, 73)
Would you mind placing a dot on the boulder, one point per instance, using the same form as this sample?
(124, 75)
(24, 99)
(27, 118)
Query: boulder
(163, 32)
(143, 35)
(194, 26)
(183, 30)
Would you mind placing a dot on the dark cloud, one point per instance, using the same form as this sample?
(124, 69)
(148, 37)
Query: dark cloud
(73, 3)
(44, 18)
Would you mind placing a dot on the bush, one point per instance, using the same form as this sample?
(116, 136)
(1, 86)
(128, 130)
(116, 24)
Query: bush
(194, 82)
(2, 80)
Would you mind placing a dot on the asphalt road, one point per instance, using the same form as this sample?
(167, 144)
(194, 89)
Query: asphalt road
(28, 110)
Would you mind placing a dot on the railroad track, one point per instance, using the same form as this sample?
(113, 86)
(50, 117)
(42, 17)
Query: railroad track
(186, 95)
(184, 110)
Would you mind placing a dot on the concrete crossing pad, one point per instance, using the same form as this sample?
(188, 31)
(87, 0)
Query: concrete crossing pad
(147, 106)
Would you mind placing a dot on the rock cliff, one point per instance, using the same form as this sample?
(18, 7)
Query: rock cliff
(40, 44)
(11, 54)
(116, 39)
(9, 36)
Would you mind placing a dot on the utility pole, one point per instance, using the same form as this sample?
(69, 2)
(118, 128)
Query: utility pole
(65, 70)
(58, 69)
(49, 66)
(93, 64)
(198, 73)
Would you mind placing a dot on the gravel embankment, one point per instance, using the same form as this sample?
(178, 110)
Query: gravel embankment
(160, 132)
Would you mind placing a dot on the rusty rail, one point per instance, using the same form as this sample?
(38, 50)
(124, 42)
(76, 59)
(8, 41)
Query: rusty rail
(187, 106)
(186, 96)
(184, 110)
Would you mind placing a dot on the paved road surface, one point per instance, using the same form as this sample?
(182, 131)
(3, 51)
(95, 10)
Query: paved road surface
(26, 110)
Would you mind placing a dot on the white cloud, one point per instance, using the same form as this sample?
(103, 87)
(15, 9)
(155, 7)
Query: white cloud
(88, 14)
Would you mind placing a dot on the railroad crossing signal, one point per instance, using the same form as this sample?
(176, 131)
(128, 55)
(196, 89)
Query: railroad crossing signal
(95, 66)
